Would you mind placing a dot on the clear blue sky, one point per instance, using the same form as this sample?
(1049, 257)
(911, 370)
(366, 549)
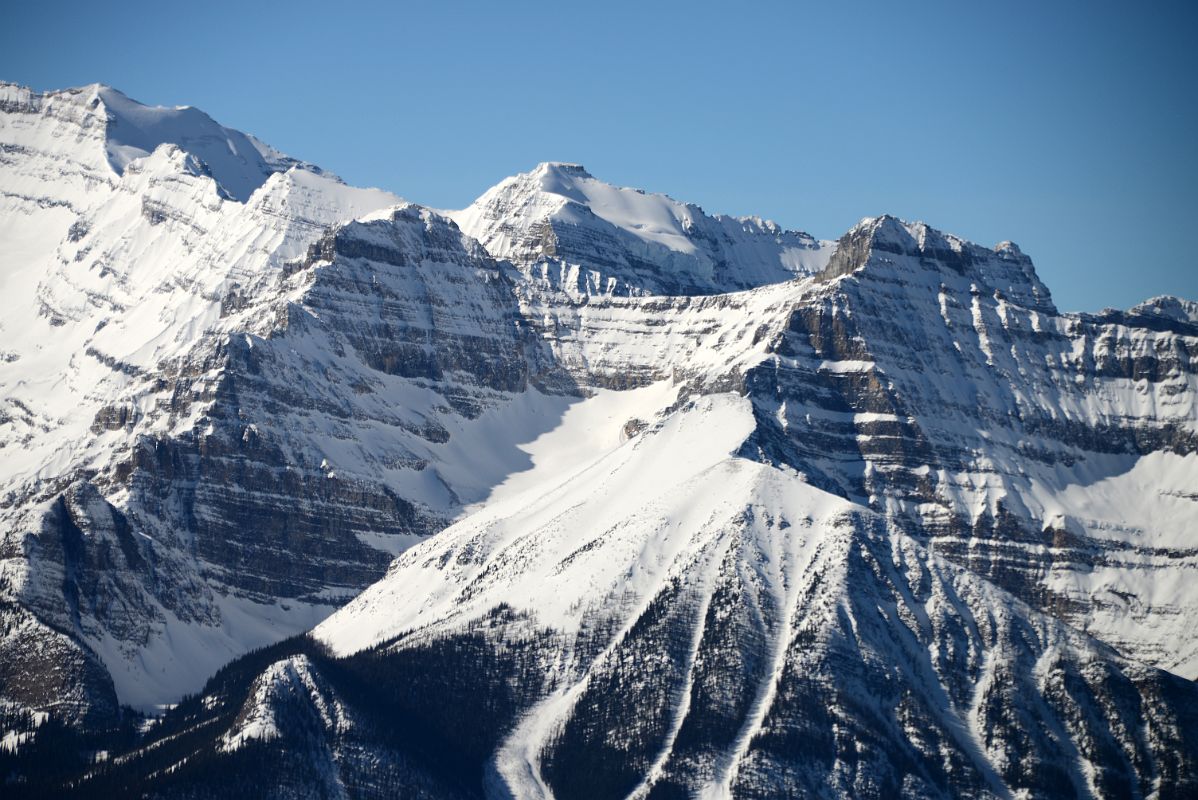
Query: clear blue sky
(1068, 127)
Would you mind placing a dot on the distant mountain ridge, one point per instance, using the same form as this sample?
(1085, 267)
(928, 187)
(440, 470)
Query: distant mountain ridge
(716, 508)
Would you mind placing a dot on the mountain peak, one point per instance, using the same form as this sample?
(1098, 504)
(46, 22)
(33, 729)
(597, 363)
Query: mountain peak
(629, 241)
(1170, 307)
(889, 243)
(133, 130)
(563, 168)
(559, 178)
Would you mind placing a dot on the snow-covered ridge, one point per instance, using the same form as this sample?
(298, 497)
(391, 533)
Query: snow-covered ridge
(626, 241)
(238, 162)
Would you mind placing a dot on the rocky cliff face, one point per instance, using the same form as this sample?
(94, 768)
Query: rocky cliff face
(713, 493)
(301, 421)
(938, 385)
(219, 416)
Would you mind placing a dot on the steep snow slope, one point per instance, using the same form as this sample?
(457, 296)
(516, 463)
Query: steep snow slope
(62, 152)
(569, 232)
(708, 624)
(933, 380)
(535, 532)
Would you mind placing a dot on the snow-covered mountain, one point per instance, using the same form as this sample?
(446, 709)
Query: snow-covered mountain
(721, 509)
(709, 625)
(158, 404)
(570, 232)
